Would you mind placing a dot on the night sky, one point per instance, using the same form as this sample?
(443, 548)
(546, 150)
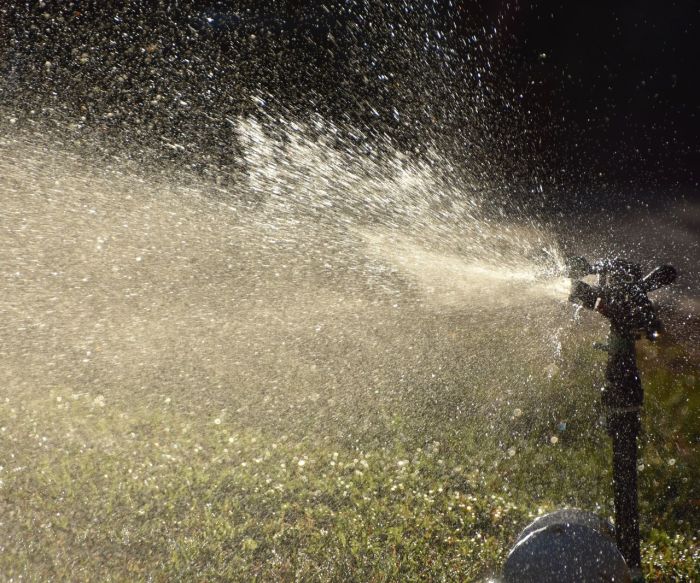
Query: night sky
(623, 79)
(590, 100)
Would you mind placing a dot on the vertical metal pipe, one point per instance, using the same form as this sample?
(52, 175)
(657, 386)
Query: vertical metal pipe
(622, 399)
(624, 431)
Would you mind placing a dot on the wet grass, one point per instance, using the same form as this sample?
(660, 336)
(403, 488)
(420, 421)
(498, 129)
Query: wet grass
(116, 488)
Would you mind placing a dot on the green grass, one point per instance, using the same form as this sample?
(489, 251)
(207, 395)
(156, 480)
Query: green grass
(136, 488)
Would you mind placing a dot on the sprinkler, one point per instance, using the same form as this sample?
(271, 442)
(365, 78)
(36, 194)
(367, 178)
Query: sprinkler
(621, 296)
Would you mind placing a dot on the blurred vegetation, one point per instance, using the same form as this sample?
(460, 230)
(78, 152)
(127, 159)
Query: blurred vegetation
(100, 487)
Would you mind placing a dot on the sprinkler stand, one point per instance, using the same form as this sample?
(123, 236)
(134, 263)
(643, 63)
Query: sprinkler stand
(621, 296)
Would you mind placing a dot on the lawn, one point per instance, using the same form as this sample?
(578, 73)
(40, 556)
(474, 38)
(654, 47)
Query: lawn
(128, 486)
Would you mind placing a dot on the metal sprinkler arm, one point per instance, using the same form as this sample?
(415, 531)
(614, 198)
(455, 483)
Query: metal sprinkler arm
(659, 277)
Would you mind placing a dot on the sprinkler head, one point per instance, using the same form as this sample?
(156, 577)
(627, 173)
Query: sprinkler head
(621, 293)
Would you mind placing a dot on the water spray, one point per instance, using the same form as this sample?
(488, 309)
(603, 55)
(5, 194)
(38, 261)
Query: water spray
(621, 295)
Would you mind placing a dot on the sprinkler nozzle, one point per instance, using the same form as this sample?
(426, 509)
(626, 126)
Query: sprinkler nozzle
(583, 295)
(621, 293)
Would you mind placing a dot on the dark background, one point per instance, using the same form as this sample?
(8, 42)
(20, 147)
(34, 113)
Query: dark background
(557, 105)
(621, 78)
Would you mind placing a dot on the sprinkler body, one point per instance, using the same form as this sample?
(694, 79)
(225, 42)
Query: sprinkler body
(621, 296)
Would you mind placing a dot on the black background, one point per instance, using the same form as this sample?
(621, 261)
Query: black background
(591, 102)
(623, 79)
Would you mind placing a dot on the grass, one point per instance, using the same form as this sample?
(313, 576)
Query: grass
(119, 487)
